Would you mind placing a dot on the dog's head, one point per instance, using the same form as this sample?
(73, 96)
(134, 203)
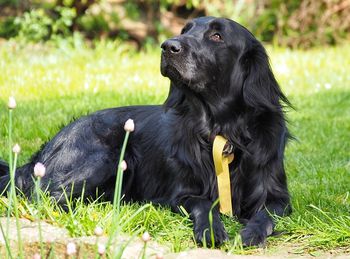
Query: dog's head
(219, 58)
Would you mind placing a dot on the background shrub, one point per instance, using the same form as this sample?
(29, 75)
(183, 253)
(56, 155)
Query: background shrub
(292, 23)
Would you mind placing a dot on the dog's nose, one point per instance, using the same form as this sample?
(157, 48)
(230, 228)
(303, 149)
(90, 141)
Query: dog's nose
(172, 46)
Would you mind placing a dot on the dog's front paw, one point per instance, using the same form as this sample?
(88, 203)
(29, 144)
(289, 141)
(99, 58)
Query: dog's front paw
(203, 233)
(253, 235)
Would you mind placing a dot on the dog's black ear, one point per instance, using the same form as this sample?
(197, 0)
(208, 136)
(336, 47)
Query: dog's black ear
(175, 97)
(260, 88)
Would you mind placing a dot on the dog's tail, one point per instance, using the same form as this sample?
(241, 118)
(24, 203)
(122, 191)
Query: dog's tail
(23, 181)
(4, 177)
(4, 168)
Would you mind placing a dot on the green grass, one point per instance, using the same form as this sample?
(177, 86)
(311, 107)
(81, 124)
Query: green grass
(52, 86)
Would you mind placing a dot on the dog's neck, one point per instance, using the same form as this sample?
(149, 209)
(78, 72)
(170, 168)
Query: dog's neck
(212, 116)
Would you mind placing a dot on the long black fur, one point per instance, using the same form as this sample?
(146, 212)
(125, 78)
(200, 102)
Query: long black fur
(221, 83)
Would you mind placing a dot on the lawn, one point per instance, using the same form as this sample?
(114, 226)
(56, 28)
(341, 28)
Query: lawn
(54, 85)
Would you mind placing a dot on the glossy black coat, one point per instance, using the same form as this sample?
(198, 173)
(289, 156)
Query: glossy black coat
(221, 83)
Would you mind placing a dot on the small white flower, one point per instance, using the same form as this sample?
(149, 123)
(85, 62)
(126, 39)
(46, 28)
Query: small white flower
(16, 149)
(129, 125)
(159, 256)
(146, 237)
(39, 170)
(123, 165)
(36, 256)
(12, 103)
(71, 248)
(98, 231)
(328, 86)
(101, 248)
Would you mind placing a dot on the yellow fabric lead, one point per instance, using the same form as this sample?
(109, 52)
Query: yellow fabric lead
(221, 163)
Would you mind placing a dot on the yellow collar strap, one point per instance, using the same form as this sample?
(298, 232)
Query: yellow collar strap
(221, 163)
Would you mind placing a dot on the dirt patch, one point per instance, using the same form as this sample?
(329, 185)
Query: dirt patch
(55, 241)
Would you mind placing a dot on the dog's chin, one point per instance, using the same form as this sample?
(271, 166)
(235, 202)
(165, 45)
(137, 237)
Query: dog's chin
(171, 73)
(180, 81)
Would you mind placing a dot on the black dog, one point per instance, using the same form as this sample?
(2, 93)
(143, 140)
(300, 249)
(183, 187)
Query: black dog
(221, 83)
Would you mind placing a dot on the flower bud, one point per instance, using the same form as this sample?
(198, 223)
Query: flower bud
(12, 103)
(146, 237)
(123, 165)
(39, 170)
(98, 231)
(16, 149)
(101, 249)
(129, 125)
(71, 248)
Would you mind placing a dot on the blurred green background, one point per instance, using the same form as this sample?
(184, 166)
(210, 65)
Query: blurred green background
(291, 23)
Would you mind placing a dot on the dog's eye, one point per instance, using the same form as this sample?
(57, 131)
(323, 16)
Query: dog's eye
(216, 37)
